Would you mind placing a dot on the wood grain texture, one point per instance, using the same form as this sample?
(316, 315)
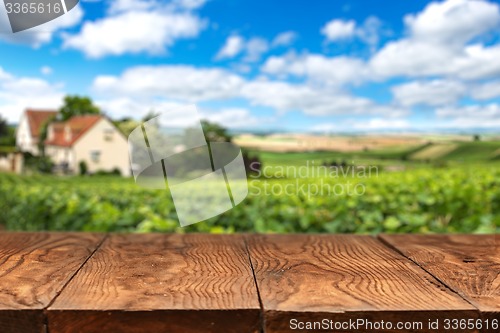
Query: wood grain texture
(468, 264)
(161, 283)
(34, 267)
(342, 277)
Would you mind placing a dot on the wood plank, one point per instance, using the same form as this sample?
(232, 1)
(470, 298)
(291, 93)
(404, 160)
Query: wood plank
(468, 264)
(161, 283)
(34, 267)
(345, 277)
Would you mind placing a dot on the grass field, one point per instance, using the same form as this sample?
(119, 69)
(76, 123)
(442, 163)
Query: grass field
(445, 186)
(445, 151)
(434, 151)
(461, 196)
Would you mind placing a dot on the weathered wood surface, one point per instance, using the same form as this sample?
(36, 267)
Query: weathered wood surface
(78, 282)
(345, 277)
(161, 283)
(467, 264)
(34, 267)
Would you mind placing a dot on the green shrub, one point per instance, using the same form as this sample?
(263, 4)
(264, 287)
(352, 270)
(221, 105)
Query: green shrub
(422, 200)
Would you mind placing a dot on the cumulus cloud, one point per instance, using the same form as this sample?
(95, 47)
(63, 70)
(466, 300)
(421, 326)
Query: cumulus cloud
(46, 70)
(318, 68)
(487, 90)
(369, 31)
(339, 29)
(234, 118)
(234, 45)
(443, 41)
(119, 107)
(284, 39)
(253, 48)
(284, 97)
(380, 123)
(185, 83)
(373, 124)
(19, 93)
(138, 108)
(431, 93)
(438, 43)
(453, 21)
(191, 84)
(134, 26)
(471, 116)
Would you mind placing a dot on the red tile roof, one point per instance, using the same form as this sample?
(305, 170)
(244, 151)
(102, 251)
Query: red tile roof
(37, 118)
(77, 125)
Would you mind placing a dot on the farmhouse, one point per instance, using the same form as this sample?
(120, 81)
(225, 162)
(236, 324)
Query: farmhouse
(28, 131)
(91, 139)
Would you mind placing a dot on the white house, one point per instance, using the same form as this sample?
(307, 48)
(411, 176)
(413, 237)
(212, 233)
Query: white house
(28, 131)
(92, 139)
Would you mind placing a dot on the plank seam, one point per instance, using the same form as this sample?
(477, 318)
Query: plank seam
(262, 317)
(394, 248)
(45, 309)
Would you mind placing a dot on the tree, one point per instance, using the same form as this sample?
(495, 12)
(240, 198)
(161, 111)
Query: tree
(4, 128)
(215, 132)
(77, 106)
(150, 115)
(127, 125)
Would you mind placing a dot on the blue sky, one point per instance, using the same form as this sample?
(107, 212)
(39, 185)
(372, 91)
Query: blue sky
(298, 65)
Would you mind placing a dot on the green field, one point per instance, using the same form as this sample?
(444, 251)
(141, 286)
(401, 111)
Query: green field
(458, 152)
(458, 198)
(450, 190)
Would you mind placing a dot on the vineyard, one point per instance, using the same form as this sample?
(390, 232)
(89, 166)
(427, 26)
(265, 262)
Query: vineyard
(458, 199)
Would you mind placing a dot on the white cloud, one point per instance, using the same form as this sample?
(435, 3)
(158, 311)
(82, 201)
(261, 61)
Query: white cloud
(487, 90)
(437, 39)
(234, 45)
(234, 118)
(189, 4)
(186, 84)
(46, 70)
(4, 75)
(19, 93)
(119, 6)
(453, 21)
(380, 123)
(418, 59)
(370, 32)
(432, 93)
(135, 27)
(373, 124)
(42, 34)
(137, 108)
(284, 97)
(255, 48)
(181, 83)
(318, 68)
(471, 116)
(339, 29)
(284, 39)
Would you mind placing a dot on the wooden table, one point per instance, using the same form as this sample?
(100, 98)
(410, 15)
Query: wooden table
(79, 282)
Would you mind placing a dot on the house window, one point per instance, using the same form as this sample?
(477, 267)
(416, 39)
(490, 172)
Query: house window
(95, 156)
(108, 134)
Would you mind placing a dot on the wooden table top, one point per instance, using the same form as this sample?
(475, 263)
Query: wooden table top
(82, 282)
